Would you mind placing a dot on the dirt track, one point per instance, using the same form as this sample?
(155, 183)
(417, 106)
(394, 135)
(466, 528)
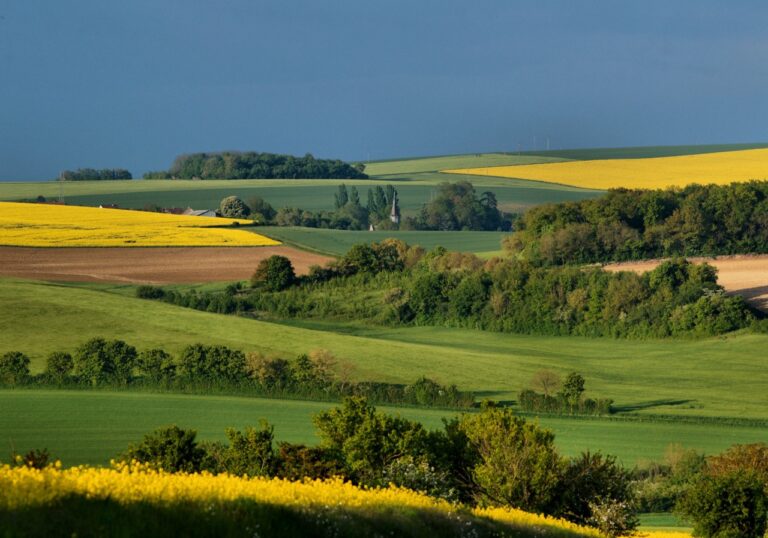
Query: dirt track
(162, 265)
(742, 275)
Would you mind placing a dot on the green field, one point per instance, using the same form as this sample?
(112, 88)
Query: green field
(93, 426)
(420, 165)
(719, 377)
(642, 152)
(338, 242)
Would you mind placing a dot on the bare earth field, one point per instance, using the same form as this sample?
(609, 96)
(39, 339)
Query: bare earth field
(158, 265)
(745, 275)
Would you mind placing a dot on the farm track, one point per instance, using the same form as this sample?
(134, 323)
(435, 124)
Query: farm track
(157, 265)
(745, 275)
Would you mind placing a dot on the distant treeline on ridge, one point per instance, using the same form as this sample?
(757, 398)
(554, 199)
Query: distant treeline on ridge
(254, 165)
(91, 174)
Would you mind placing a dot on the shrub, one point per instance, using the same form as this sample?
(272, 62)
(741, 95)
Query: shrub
(613, 518)
(518, 465)
(150, 292)
(733, 505)
(296, 462)
(594, 489)
(14, 368)
(274, 273)
(251, 453)
(234, 208)
(171, 449)
(34, 459)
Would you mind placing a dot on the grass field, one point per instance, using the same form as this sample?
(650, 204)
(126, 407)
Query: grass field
(406, 167)
(94, 426)
(723, 376)
(338, 242)
(650, 173)
(38, 225)
(642, 152)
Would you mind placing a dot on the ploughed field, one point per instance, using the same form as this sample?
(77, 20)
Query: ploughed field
(745, 275)
(157, 265)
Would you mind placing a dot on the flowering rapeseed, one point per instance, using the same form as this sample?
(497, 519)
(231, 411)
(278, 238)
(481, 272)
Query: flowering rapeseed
(126, 484)
(653, 173)
(39, 225)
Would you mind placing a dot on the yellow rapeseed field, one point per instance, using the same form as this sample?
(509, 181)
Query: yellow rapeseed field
(652, 173)
(22, 487)
(42, 225)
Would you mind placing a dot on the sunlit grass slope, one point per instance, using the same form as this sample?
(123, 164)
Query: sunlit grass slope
(42, 225)
(723, 376)
(141, 501)
(654, 173)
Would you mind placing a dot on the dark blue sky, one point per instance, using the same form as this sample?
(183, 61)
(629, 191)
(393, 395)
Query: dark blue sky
(132, 83)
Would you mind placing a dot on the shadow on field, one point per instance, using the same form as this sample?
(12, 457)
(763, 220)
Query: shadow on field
(648, 405)
(757, 297)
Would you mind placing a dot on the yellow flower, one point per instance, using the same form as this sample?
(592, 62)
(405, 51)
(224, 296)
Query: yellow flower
(653, 173)
(40, 225)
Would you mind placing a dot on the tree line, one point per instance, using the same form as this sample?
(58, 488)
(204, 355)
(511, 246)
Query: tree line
(454, 207)
(255, 165)
(92, 174)
(404, 285)
(697, 220)
(318, 374)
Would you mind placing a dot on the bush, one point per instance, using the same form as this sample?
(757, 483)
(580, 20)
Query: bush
(733, 505)
(274, 273)
(297, 462)
(150, 292)
(518, 466)
(234, 208)
(59, 366)
(251, 453)
(171, 449)
(14, 368)
(595, 490)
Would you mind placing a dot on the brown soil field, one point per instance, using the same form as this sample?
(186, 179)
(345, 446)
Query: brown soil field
(745, 275)
(160, 265)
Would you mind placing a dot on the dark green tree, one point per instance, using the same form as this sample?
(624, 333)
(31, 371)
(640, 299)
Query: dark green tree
(157, 365)
(59, 366)
(341, 197)
(261, 211)
(732, 505)
(212, 363)
(572, 389)
(14, 368)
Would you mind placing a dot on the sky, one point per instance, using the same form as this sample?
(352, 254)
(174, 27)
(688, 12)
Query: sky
(118, 83)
